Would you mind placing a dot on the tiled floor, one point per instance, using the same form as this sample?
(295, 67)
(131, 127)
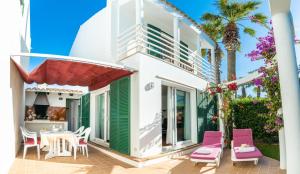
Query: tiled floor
(98, 163)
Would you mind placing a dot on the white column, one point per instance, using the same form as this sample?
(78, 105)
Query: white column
(139, 10)
(282, 148)
(176, 36)
(282, 145)
(198, 63)
(221, 118)
(289, 82)
(213, 64)
(115, 28)
(139, 21)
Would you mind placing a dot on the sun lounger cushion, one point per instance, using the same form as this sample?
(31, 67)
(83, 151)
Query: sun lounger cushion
(212, 139)
(203, 150)
(244, 149)
(211, 156)
(242, 136)
(245, 155)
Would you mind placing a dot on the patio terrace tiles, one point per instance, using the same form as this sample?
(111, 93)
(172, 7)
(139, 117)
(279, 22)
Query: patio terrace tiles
(99, 163)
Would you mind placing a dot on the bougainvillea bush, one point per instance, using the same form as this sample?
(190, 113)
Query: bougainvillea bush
(227, 93)
(269, 80)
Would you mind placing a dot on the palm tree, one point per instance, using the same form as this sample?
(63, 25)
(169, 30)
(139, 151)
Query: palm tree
(232, 13)
(215, 30)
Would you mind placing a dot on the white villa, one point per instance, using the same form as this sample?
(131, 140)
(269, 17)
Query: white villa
(160, 106)
(141, 60)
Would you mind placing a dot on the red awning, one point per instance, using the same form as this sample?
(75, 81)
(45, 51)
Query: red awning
(68, 72)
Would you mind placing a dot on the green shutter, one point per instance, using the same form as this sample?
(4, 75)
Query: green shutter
(162, 51)
(154, 39)
(120, 115)
(206, 108)
(85, 111)
(184, 50)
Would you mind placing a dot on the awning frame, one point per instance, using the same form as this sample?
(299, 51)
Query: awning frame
(49, 72)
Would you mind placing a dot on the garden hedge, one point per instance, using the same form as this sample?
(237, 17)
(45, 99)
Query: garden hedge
(248, 113)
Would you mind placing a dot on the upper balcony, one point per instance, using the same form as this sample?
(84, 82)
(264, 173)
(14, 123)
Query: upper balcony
(162, 32)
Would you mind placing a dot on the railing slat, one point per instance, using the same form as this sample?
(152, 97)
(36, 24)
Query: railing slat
(143, 38)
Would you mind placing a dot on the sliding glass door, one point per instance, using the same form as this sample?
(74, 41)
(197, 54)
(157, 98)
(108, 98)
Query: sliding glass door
(177, 121)
(102, 117)
(183, 121)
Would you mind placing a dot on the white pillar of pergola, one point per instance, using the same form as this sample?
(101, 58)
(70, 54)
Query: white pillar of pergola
(289, 83)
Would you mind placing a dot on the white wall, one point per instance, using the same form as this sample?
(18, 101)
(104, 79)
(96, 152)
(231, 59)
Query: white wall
(17, 87)
(127, 15)
(12, 95)
(146, 120)
(93, 38)
(53, 98)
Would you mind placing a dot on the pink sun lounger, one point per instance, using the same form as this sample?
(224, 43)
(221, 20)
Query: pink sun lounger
(243, 137)
(211, 149)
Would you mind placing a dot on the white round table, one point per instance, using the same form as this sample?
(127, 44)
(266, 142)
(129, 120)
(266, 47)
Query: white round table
(56, 142)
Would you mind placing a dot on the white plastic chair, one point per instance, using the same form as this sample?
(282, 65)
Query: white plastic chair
(79, 131)
(30, 140)
(28, 131)
(81, 142)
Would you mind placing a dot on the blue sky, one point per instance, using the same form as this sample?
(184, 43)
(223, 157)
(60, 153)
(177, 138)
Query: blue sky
(54, 24)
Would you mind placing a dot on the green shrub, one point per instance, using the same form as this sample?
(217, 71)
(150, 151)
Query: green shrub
(250, 113)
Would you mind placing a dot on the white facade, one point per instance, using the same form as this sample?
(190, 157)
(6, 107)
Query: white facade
(146, 105)
(121, 33)
(12, 32)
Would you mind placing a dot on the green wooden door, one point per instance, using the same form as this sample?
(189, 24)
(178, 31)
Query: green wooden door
(206, 108)
(120, 115)
(85, 111)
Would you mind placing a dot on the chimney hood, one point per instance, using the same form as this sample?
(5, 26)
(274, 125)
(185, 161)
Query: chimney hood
(41, 99)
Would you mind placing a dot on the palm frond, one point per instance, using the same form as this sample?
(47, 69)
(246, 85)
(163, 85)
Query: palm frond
(259, 18)
(239, 10)
(250, 6)
(221, 4)
(249, 31)
(214, 29)
(209, 17)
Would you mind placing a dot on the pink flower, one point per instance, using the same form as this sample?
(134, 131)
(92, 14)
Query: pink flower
(232, 86)
(261, 69)
(257, 82)
(219, 90)
(279, 121)
(274, 79)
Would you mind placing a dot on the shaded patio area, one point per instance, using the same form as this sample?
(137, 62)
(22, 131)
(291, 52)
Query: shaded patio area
(101, 164)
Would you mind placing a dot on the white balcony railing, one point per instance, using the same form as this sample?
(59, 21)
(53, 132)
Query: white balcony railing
(162, 46)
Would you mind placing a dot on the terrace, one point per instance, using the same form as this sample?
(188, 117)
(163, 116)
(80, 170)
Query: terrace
(100, 163)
